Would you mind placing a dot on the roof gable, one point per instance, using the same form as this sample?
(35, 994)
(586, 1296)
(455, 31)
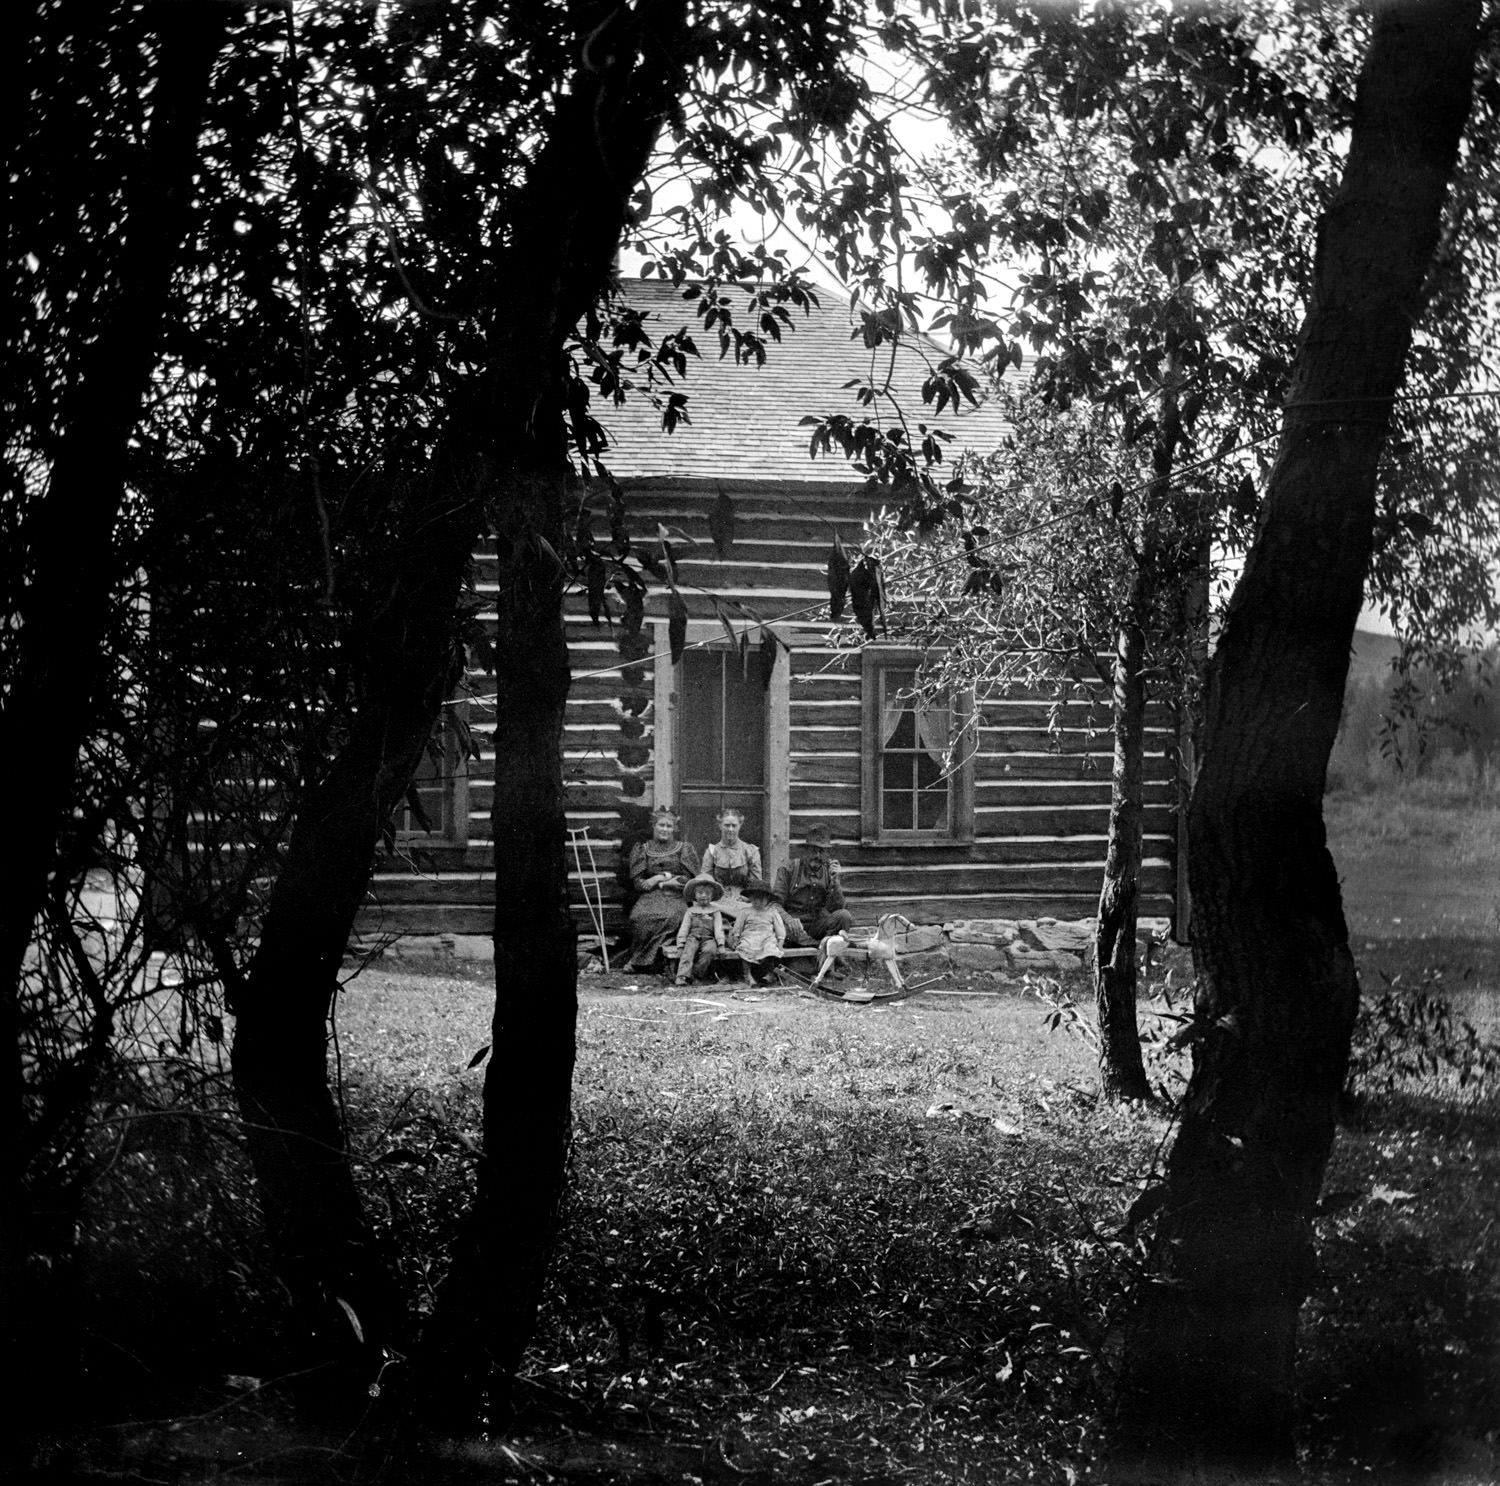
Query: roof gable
(745, 420)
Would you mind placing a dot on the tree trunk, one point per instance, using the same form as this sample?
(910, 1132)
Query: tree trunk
(1122, 1075)
(343, 1306)
(55, 640)
(558, 266)
(489, 1308)
(1209, 1362)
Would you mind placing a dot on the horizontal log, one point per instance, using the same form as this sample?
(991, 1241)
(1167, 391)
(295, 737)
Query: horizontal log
(1088, 789)
(608, 737)
(756, 519)
(918, 860)
(824, 794)
(1006, 741)
(812, 667)
(1039, 904)
(823, 740)
(601, 709)
(825, 769)
(1045, 766)
(949, 879)
(439, 857)
(607, 688)
(772, 599)
(840, 712)
(389, 889)
(1060, 821)
(401, 920)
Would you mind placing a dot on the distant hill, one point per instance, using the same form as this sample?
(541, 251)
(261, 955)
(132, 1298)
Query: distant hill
(1371, 657)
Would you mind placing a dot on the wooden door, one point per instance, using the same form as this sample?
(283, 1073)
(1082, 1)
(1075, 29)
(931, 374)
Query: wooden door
(721, 745)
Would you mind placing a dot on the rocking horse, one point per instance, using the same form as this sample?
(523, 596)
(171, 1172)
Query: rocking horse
(879, 948)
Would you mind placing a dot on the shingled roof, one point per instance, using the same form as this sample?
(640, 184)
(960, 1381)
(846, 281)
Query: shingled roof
(745, 419)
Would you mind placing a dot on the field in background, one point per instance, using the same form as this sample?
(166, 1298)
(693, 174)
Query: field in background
(1419, 865)
(1418, 860)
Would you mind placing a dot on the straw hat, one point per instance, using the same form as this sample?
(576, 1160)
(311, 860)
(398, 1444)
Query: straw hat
(704, 881)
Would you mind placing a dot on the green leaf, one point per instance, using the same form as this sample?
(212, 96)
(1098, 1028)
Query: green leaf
(414, 804)
(838, 579)
(767, 658)
(729, 633)
(864, 594)
(721, 524)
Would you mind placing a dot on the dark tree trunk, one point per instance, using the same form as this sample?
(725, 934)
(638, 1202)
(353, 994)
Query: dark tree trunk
(56, 642)
(1209, 1361)
(558, 266)
(1122, 1075)
(528, 1085)
(282, 1010)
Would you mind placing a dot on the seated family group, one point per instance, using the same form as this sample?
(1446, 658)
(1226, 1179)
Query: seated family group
(721, 900)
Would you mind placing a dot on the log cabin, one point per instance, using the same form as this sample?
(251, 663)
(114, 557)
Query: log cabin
(831, 735)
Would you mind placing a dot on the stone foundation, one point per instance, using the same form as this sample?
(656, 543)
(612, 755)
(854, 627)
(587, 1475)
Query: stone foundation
(999, 946)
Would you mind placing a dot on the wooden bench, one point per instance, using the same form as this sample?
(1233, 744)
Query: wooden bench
(792, 952)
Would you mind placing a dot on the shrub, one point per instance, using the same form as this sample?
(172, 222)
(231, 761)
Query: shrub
(1407, 1036)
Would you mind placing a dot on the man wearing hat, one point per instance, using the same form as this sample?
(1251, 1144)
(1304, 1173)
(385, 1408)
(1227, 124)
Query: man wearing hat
(809, 887)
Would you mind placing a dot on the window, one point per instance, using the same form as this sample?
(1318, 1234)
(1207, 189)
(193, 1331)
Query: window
(911, 791)
(436, 807)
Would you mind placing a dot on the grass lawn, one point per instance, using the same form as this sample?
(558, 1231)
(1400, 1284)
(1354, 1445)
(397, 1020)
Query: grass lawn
(840, 1243)
(824, 1243)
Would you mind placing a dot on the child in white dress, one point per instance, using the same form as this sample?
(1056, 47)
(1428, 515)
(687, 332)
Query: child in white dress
(761, 933)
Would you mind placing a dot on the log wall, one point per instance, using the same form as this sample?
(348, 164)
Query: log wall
(1040, 798)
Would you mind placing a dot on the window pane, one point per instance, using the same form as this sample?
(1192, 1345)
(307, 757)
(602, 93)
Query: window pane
(932, 809)
(895, 810)
(702, 731)
(927, 772)
(744, 723)
(430, 786)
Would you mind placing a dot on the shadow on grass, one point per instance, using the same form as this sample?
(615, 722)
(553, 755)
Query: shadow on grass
(1401, 1359)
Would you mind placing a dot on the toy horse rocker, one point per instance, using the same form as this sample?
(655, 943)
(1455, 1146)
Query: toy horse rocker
(879, 948)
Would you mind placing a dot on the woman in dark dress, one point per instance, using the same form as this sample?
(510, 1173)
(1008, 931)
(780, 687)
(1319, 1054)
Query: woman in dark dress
(659, 869)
